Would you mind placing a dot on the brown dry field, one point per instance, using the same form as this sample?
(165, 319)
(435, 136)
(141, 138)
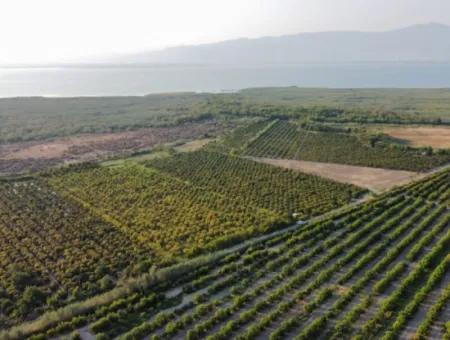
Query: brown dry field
(375, 179)
(19, 157)
(436, 137)
(57, 148)
(193, 145)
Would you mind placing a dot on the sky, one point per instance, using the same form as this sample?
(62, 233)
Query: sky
(47, 31)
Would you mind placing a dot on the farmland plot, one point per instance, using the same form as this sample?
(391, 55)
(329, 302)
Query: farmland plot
(286, 141)
(200, 200)
(54, 251)
(363, 272)
(262, 185)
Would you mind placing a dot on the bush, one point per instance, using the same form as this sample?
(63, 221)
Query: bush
(106, 282)
(101, 336)
(32, 297)
(75, 336)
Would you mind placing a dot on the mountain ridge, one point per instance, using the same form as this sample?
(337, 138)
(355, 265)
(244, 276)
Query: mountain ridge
(416, 43)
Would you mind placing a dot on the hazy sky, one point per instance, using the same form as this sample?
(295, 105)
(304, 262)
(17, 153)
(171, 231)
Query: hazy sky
(33, 31)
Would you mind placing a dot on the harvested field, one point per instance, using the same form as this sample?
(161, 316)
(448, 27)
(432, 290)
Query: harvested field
(60, 147)
(193, 145)
(19, 157)
(436, 137)
(374, 179)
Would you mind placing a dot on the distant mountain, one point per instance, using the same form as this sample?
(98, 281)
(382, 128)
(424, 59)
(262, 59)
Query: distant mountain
(428, 42)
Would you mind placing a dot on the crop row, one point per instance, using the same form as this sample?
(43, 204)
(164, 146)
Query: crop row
(262, 185)
(321, 279)
(289, 244)
(53, 251)
(296, 279)
(286, 140)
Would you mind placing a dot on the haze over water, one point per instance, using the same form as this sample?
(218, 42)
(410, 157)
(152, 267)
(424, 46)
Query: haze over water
(117, 81)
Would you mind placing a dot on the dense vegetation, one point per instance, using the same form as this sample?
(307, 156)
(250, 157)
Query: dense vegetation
(362, 272)
(286, 140)
(200, 200)
(193, 245)
(42, 118)
(52, 251)
(258, 184)
(72, 233)
(170, 216)
(359, 105)
(240, 137)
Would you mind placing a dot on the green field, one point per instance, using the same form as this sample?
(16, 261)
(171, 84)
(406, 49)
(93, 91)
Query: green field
(184, 204)
(378, 103)
(258, 184)
(42, 118)
(79, 231)
(179, 232)
(286, 140)
(53, 251)
(362, 272)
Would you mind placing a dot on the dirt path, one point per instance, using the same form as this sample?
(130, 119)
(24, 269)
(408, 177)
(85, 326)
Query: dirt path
(437, 327)
(85, 334)
(412, 325)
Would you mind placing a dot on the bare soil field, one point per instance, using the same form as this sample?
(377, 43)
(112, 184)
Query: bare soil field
(193, 145)
(58, 148)
(24, 156)
(436, 137)
(375, 179)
